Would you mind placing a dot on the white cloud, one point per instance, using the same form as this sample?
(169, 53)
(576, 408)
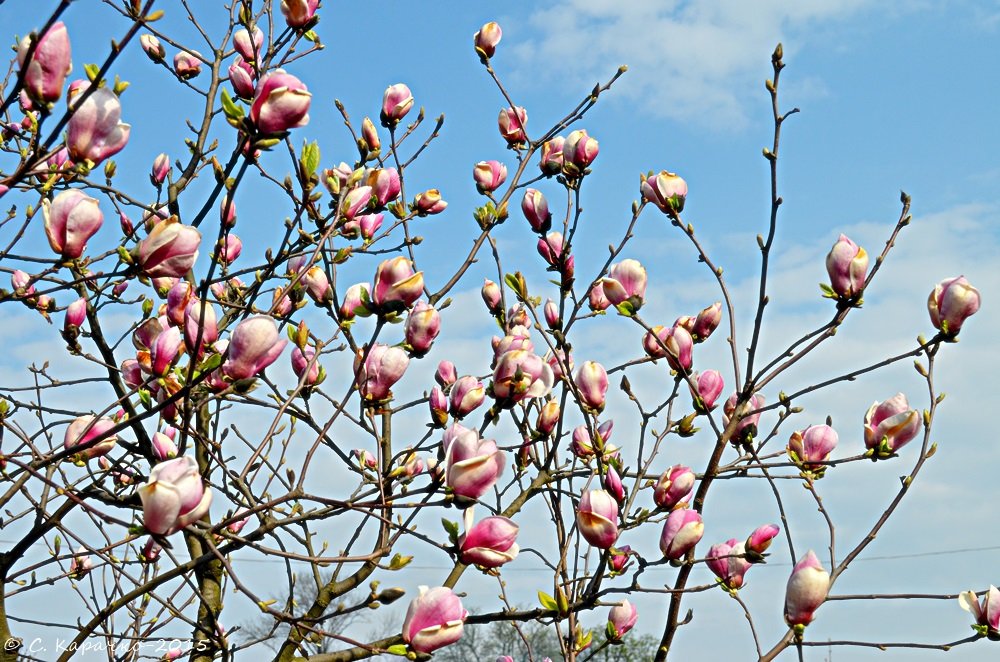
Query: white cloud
(691, 61)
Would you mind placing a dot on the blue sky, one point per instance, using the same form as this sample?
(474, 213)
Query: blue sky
(893, 96)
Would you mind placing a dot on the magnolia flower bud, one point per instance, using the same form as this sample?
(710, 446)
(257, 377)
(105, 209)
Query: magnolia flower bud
(486, 39)
(665, 190)
(811, 447)
(681, 532)
(847, 265)
(254, 345)
(579, 151)
(164, 447)
(551, 161)
(471, 465)
(890, 425)
(488, 544)
(673, 487)
(626, 285)
(161, 167)
(243, 77)
(383, 367)
(385, 185)
(397, 286)
(91, 432)
(706, 322)
(152, 46)
(438, 403)
(174, 496)
(536, 210)
(169, 250)
(281, 103)
(45, 73)
(760, 540)
(592, 382)
(727, 560)
(489, 175)
(511, 123)
(707, 387)
(422, 326)
(597, 518)
(433, 620)
(952, 302)
(429, 202)
(492, 297)
(187, 64)
(306, 367)
(467, 394)
(299, 14)
(71, 219)
(446, 374)
(747, 426)
(548, 417)
(621, 619)
(806, 590)
(396, 103)
(370, 136)
(246, 45)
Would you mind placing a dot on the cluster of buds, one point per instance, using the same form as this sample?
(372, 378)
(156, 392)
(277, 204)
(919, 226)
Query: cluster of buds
(731, 560)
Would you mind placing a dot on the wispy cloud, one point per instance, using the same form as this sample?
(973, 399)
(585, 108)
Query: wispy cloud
(691, 61)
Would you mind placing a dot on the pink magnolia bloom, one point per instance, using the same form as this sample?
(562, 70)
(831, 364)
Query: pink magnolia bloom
(383, 367)
(397, 286)
(187, 64)
(165, 351)
(466, 395)
(612, 482)
(446, 374)
(179, 297)
(726, 560)
(489, 175)
(370, 135)
(429, 202)
(164, 447)
(551, 161)
(592, 382)
(847, 265)
(812, 446)
(317, 285)
(471, 465)
(421, 328)
(548, 417)
(50, 64)
(511, 123)
(747, 423)
(621, 619)
(299, 13)
(364, 226)
(626, 284)
(596, 299)
(81, 564)
(201, 326)
(490, 543)
(150, 551)
(597, 518)
(891, 424)
(987, 614)
(76, 313)
(365, 459)
(169, 250)
(706, 322)
(665, 190)
(246, 45)
(806, 590)
(434, 619)
(536, 210)
(486, 39)
(280, 103)
(356, 201)
(437, 401)
(709, 385)
(161, 167)
(356, 301)
(71, 219)
(492, 296)
(579, 151)
(85, 430)
(520, 374)
(253, 345)
(95, 128)
(152, 46)
(396, 103)
(305, 366)
(230, 248)
(681, 532)
(952, 302)
(551, 314)
(385, 184)
(673, 487)
(760, 540)
(243, 77)
(618, 560)
(174, 496)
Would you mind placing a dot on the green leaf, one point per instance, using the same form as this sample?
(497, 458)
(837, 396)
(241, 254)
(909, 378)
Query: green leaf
(310, 158)
(232, 110)
(397, 649)
(451, 528)
(91, 70)
(547, 601)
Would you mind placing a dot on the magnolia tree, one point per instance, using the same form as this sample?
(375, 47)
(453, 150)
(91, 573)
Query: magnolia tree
(207, 405)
